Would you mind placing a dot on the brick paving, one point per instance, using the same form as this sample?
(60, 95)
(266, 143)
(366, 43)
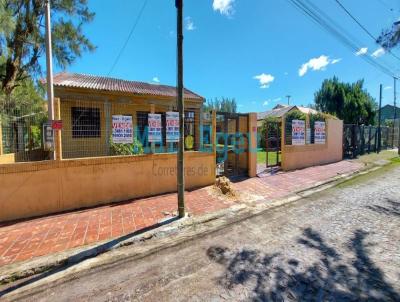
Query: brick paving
(24, 240)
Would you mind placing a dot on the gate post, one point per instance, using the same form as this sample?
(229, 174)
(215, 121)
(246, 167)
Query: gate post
(57, 133)
(1, 138)
(252, 148)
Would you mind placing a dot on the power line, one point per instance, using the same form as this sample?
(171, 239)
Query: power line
(363, 27)
(129, 36)
(335, 30)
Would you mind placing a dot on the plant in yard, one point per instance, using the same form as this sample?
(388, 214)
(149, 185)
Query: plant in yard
(268, 125)
(136, 148)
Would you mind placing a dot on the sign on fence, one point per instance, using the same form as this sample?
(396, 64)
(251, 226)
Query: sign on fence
(155, 135)
(172, 120)
(298, 132)
(122, 129)
(320, 134)
(48, 136)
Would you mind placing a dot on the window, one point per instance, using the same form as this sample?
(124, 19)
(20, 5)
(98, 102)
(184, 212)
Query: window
(142, 118)
(190, 136)
(85, 122)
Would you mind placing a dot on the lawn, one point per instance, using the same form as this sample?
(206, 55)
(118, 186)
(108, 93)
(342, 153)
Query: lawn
(261, 157)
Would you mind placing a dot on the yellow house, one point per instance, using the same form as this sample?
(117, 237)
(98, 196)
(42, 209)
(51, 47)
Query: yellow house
(88, 104)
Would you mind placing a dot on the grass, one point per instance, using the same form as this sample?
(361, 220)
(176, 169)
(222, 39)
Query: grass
(394, 162)
(262, 157)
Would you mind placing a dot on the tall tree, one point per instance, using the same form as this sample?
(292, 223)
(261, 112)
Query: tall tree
(223, 104)
(22, 37)
(389, 38)
(348, 101)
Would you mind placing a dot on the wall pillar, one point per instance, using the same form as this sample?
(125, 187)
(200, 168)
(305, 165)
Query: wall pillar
(153, 145)
(57, 133)
(1, 139)
(252, 153)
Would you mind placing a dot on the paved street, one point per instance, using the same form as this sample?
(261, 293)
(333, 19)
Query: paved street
(338, 245)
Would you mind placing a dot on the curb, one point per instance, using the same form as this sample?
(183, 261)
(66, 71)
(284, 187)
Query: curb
(169, 233)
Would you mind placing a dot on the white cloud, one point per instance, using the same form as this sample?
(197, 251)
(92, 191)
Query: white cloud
(379, 52)
(266, 103)
(388, 87)
(286, 73)
(189, 24)
(334, 61)
(264, 79)
(225, 7)
(156, 80)
(314, 64)
(277, 99)
(362, 51)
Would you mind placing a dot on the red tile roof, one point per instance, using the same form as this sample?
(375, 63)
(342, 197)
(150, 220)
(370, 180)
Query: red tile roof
(75, 80)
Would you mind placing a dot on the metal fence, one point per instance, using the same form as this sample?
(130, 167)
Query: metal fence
(21, 132)
(360, 139)
(89, 127)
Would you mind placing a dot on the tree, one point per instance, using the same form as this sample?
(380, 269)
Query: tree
(347, 101)
(223, 105)
(22, 37)
(389, 38)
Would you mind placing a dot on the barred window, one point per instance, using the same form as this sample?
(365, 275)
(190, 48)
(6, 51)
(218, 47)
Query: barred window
(85, 122)
(142, 118)
(190, 134)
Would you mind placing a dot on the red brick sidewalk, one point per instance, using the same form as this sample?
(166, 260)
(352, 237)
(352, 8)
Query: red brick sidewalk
(25, 240)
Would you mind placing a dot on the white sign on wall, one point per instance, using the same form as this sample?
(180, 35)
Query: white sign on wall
(172, 121)
(155, 135)
(122, 129)
(319, 132)
(298, 132)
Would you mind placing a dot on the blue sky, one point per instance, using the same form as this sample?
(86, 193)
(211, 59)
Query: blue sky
(257, 51)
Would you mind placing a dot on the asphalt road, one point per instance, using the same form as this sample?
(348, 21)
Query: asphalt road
(339, 245)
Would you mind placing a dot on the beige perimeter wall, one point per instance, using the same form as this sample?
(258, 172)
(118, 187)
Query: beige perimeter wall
(33, 189)
(297, 157)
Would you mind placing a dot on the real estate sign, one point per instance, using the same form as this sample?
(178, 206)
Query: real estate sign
(122, 129)
(319, 132)
(172, 121)
(298, 132)
(155, 135)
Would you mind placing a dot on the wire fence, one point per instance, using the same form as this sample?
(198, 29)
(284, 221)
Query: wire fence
(21, 131)
(360, 139)
(95, 127)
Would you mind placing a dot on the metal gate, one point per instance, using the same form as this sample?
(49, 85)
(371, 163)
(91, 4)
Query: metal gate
(273, 144)
(232, 144)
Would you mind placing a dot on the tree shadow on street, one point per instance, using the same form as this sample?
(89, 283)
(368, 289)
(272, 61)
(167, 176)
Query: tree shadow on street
(392, 208)
(327, 276)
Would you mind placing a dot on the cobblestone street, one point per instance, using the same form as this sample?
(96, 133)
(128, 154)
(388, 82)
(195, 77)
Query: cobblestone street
(338, 245)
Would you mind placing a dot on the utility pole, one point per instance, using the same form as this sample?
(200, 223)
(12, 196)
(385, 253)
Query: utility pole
(181, 109)
(288, 99)
(379, 120)
(395, 111)
(49, 64)
(49, 67)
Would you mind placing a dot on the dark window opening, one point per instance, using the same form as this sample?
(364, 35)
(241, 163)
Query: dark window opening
(85, 122)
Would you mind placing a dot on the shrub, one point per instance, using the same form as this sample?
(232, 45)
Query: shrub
(136, 148)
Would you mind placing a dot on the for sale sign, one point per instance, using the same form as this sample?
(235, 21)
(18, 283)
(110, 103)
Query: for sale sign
(155, 135)
(122, 129)
(172, 120)
(298, 132)
(319, 132)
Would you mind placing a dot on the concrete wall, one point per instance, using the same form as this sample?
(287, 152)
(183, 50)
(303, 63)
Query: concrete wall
(33, 189)
(7, 158)
(297, 157)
